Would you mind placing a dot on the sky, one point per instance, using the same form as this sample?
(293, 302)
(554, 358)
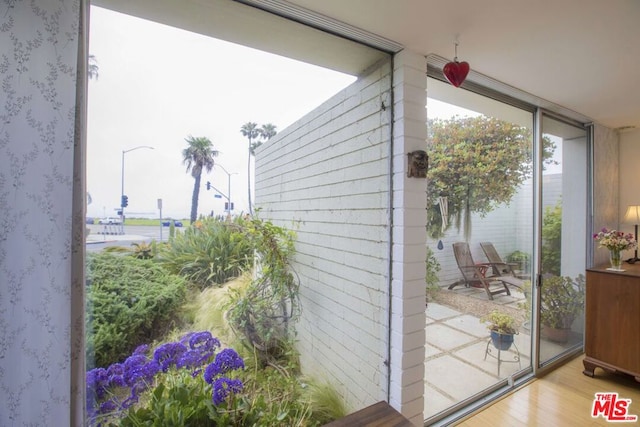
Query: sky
(156, 86)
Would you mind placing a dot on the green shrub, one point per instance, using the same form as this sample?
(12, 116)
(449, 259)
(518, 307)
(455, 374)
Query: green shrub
(433, 268)
(208, 253)
(263, 311)
(521, 258)
(129, 301)
(552, 239)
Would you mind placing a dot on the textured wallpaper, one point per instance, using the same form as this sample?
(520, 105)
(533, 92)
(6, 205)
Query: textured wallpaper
(605, 184)
(38, 136)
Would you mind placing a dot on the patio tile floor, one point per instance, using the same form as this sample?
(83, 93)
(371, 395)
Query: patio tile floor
(455, 365)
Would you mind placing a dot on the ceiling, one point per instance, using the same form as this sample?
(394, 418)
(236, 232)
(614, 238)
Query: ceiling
(583, 55)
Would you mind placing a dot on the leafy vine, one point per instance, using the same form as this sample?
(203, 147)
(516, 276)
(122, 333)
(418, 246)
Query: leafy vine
(263, 312)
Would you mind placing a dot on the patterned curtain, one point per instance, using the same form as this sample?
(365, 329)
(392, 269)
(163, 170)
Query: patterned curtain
(43, 76)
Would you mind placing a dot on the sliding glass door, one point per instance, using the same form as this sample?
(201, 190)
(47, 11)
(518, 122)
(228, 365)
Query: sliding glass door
(480, 245)
(507, 234)
(563, 237)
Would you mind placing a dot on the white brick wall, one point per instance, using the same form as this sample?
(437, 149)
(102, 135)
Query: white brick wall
(327, 175)
(409, 237)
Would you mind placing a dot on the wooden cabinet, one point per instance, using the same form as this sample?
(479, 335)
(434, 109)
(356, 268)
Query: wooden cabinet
(612, 330)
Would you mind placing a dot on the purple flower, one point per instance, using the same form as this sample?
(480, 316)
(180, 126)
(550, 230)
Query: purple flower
(97, 382)
(115, 369)
(225, 361)
(184, 340)
(189, 359)
(117, 381)
(138, 368)
(133, 374)
(141, 350)
(134, 361)
(168, 354)
(203, 340)
(150, 369)
(222, 387)
(108, 406)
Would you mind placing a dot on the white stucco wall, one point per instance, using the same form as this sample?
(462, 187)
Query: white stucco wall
(327, 176)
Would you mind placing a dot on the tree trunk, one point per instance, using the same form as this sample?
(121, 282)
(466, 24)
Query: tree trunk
(194, 198)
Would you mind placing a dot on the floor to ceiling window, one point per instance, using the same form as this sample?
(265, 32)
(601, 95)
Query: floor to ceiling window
(491, 180)
(156, 88)
(480, 205)
(562, 253)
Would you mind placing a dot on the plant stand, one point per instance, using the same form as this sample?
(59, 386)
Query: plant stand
(489, 352)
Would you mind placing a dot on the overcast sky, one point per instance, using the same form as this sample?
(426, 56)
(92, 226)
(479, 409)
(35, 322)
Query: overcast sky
(157, 85)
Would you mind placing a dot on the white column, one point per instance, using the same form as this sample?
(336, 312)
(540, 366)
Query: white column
(409, 240)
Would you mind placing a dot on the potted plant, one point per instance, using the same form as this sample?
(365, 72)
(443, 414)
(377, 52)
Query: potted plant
(521, 259)
(561, 301)
(502, 327)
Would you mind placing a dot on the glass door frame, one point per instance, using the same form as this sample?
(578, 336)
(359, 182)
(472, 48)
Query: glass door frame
(490, 88)
(539, 366)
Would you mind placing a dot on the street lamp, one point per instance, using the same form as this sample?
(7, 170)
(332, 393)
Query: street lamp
(122, 200)
(228, 195)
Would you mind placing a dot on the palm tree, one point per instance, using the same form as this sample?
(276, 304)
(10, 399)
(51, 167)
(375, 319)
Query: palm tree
(267, 131)
(198, 156)
(251, 131)
(93, 67)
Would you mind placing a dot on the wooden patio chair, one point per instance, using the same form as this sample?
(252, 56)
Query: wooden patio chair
(499, 267)
(475, 275)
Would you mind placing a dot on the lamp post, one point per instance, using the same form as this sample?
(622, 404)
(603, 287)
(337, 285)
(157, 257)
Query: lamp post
(228, 195)
(122, 184)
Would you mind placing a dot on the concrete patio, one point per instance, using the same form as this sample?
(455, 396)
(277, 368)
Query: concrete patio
(455, 363)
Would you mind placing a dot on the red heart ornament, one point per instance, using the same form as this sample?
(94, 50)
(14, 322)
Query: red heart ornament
(456, 72)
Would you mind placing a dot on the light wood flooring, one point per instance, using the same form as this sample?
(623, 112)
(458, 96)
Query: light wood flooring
(563, 397)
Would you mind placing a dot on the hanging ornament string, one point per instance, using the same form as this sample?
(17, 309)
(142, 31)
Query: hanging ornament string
(444, 211)
(456, 72)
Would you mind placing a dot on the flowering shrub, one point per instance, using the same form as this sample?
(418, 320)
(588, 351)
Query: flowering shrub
(112, 391)
(615, 240)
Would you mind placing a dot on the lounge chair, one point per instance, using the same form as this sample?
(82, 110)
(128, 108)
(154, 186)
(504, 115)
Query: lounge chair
(499, 267)
(475, 275)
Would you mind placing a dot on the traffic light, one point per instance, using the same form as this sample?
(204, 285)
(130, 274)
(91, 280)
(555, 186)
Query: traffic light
(208, 185)
(226, 206)
(125, 201)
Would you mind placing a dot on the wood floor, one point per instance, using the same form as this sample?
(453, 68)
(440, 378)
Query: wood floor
(564, 397)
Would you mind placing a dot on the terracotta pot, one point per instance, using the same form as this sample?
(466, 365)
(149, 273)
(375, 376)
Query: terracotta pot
(559, 335)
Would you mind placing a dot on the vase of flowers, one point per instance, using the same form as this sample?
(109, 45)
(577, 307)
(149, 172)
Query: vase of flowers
(616, 242)
(615, 259)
